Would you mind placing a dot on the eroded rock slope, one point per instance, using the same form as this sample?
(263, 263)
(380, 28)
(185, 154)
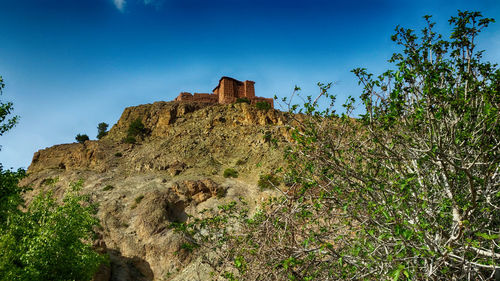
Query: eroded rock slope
(174, 171)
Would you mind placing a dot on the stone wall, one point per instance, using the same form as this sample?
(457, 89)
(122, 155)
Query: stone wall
(211, 98)
(249, 89)
(228, 91)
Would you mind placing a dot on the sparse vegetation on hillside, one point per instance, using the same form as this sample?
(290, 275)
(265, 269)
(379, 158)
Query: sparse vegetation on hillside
(230, 173)
(129, 139)
(242, 100)
(262, 105)
(135, 129)
(81, 138)
(268, 181)
(102, 130)
(409, 191)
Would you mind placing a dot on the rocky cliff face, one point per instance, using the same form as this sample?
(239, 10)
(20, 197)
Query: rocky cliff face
(173, 172)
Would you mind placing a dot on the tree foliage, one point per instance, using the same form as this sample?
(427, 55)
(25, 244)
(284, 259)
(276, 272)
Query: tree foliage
(102, 130)
(409, 191)
(81, 138)
(135, 129)
(50, 241)
(47, 241)
(10, 194)
(5, 110)
(262, 105)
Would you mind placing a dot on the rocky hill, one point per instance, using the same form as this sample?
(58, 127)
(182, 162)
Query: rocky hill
(176, 170)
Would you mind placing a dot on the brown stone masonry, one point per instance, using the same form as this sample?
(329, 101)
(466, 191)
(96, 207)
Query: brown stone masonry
(228, 91)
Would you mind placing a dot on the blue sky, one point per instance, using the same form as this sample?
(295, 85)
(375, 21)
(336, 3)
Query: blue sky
(70, 64)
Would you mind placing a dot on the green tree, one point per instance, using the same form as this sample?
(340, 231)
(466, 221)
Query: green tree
(81, 138)
(417, 176)
(10, 194)
(409, 191)
(102, 130)
(49, 241)
(5, 110)
(135, 129)
(10, 197)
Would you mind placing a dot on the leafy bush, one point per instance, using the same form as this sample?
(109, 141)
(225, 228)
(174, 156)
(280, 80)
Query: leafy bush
(135, 129)
(47, 241)
(189, 247)
(6, 109)
(407, 192)
(118, 154)
(230, 173)
(10, 193)
(81, 138)
(102, 130)
(406, 177)
(242, 100)
(268, 181)
(262, 105)
(129, 139)
(50, 181)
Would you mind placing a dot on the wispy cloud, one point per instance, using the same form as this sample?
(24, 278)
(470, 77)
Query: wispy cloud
(120, 4)
(156, 3)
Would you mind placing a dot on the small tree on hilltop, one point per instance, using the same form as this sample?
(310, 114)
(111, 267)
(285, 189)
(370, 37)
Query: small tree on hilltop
(102, 130)
(81, 138)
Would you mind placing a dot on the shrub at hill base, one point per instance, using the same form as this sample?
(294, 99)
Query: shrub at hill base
(409, 191)
(46, 241)
(49, 241)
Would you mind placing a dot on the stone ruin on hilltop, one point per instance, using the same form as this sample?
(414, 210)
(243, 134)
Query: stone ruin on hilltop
(228, 91)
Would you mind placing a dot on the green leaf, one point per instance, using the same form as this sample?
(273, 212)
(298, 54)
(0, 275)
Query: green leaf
(397, 272)
(488, 236)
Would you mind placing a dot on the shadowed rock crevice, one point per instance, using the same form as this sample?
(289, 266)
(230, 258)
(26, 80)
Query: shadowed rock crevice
(128, 268)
